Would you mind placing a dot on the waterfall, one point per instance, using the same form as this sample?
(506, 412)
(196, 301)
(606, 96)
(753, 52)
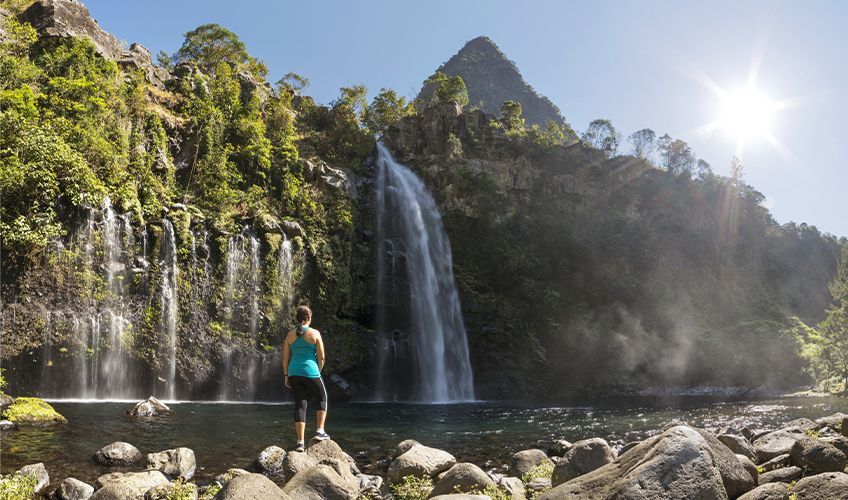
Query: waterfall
(285, 265)
(255, 269)
(168, 303)
(422, 344)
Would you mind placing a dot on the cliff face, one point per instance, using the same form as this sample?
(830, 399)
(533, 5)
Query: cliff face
(492, 79)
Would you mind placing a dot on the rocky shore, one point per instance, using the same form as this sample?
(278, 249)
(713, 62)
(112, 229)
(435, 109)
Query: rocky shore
(801, 459)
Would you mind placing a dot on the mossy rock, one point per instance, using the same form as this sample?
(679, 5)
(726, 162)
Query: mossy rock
(33, 411)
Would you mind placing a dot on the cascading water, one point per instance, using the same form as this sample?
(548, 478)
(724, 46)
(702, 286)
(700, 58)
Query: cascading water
(423, 347)
(285, 265)
(168, 303)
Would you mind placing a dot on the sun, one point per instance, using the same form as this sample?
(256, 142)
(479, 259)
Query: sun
(747, 113)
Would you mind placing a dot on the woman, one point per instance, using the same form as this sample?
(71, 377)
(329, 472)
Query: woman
(303, 360)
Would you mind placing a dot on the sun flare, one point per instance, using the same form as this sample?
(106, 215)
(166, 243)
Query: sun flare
(747, 113)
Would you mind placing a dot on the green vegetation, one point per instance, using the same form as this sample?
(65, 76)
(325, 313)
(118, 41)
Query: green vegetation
(33, 411)
(17, 486)
(3, 383)
(444, 89)
(412, 488)
(210, 491)
(491, 491)
(543, 470)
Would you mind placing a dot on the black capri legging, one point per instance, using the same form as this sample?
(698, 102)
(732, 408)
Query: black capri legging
(307, 389)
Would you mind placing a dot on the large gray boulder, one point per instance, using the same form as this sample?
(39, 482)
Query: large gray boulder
(39, 472)
(735, 478)
(420, 461)
(739, 445)
(583, 456)
(840, 442)
(769, 491)
(833, 421)
(117, 453)
(677, 464)
(816, 456)
(403, 447)
(525, 460)
(73, 489)
(513, 486)
(69, 18)
(251, 486)
(7, 425)
(320, 450)
(775, 444)
(749, 467)
(178, 462)
(150, 407)
(228, 476)
(559, 447)
(270, 463)
(462, 478)
(800, 425)
(782, 475)
(128, 484)
(830, 486)
(322, 482)
(295, 462)
(777, 462)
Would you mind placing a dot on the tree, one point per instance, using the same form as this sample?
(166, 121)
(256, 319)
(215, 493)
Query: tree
(737, 173)
(703, 169)
(385, 110)
(293, 82)
(445, 89)
(643, 143)
(511, 116)
(601, 135)
(210, 44)
(352, 104)
(675, 156)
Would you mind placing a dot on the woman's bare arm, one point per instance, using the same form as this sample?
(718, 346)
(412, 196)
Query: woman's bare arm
(319, 350)
(286, 356)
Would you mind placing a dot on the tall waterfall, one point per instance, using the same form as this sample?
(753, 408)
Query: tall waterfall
(423, 349)
(168, 303)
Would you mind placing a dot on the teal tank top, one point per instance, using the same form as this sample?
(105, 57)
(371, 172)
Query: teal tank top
(303, 362)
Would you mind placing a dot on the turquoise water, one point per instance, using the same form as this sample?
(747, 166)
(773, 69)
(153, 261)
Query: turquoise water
(225, 435)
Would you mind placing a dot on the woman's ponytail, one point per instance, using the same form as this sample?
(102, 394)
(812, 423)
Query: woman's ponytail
(303, 314)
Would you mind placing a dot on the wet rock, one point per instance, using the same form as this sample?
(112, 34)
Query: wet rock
(73, 489)
(770, 491)
(293, 229)
(749, 467)
(584, 456)
(777, 462)
(420, 461)
(782, 475)
(117, 453)
(6, 425)
(817, 456)
(559, 447)
(775, 444)
(739, 445)
(462, 478)
(339, 388)
(525, 460)
(643, 472)
(830, 485)
(123, 485)
(270, 463)
(151, 407)
(178, 462)
(320, 482)
(39, 472)
(403, 447)
(251, 486)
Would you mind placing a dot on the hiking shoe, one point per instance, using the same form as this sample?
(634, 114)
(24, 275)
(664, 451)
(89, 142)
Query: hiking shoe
(299, 447)
(321, 435)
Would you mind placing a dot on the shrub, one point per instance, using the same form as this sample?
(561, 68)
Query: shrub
(16, 486)
(412, 488)
(33, 411)
(542, 470)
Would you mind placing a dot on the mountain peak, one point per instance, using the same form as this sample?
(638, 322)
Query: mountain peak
(492, 78)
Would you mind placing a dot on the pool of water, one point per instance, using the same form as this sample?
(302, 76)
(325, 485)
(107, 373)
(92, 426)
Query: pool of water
(225, 435)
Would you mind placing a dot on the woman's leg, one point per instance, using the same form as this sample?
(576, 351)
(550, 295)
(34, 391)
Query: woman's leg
(321, 413)
(301, 395)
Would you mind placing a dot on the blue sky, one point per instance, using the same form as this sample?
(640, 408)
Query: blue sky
(640, 64)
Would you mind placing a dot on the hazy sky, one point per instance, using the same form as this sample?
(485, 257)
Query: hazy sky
(640, 64)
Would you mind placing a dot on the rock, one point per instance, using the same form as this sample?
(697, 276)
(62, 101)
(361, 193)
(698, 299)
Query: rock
(420, 461)
(739, 445)
(320, 450)
(462, 478)
(128, 484)
(525, 460)
(39, 472)
(817, 456)
(295, 462)
(830, 485)
(843, 427)
(769, 491)
(175, 463)
(735, 478)
(513, 486)
(171, 491)
(782, 475)
(252, 87)
(270, 463)
(777, 462)
(117, 453)
(403, 447)
(293, 229)
(627, 447)
(6, 425)
(461, 496)
(584, 456)
(251, 486)
(645, 471)
(70, 19)
(537, 485)
(749, 466)
(138, 58)
(226, 477)
(73, 489)
(321, 482)
(775, 444)
(367, 481)
(339, 388)
(559, 447)
(33, 412)
(5, 401)
(151, 407)
(840, 442)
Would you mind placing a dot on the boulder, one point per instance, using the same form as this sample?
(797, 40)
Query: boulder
(800, 425)
(128, 484)
(320, 450)
(843, 427)
(537, 485)
(151, 407)
(295, 462)
(270, 463)
(117, 453)
(627, 447)
(6, 425)
(558, 448)
(782, 475)
(513, 486)
(739, 445)
(73, 489)
(775, 444)
(462, 478)
(461, 496)
(403, 447)
(228, 476)
(367, 481)
(830, 485)
(840, 442)
(70, 19)
(172, 491)
(178, 462)
(777, 462)
(420, 461)
(525, 460)
(138, 58)
(33, 412)
(321, 482)
(749, 467)
(39, 472)
(646, 470)
(816, 456)
(584, 456)
(769, 491)
(5, 401)
(251, 486)
(293, 229)
(735, 478)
